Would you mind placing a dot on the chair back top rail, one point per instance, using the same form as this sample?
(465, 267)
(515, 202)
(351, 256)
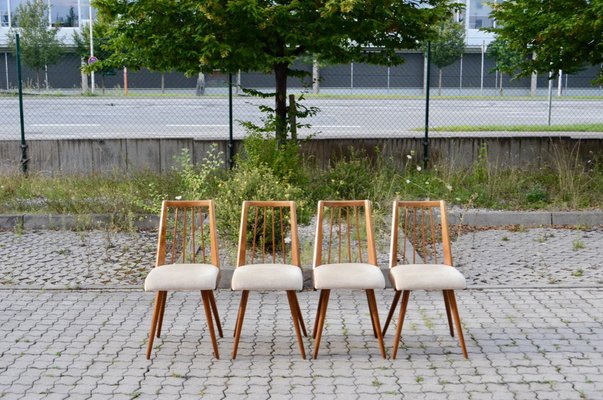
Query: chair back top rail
(187, 233)
(419, 233)
(344, 233)
(268, 229)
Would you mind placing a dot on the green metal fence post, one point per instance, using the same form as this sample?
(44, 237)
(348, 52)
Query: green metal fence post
(427, 86)
(230, 128)
(24, 159)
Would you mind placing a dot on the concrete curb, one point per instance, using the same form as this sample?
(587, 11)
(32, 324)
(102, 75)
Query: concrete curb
(476, 218)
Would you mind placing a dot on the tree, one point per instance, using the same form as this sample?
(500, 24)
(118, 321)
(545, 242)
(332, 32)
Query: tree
(564, 34)
(505, 57)
(100, 33)
(40, 45)
(266, 35)
(447, 46)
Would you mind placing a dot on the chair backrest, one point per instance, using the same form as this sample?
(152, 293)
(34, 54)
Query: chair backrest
(268, 233)
(419, 233)
(344, 233)
(187, 233)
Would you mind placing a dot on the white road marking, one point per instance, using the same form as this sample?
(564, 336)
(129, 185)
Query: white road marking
(195, 126)
(65, 125)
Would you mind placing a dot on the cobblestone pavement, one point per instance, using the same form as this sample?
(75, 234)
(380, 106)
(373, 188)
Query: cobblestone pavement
(523, 344)
(64, 259)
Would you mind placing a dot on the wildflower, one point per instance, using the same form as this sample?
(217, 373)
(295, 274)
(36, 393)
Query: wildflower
(408, 156)
(287, 240)
(449, 187)
(408, 181)
(458, 199)
(419, 168)
(427, 182)
(178, 197)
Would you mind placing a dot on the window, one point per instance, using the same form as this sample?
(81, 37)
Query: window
(64, 13)
(479, 12)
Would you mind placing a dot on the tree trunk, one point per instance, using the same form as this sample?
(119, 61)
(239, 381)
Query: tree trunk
(440, 82)
(315, 77)
(38, 79)
(162, 83)
(46, 76)
(280, 73)
(200, 90)
(501, 84)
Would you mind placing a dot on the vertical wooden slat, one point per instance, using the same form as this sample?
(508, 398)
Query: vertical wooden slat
(339, 234)
(255, 232)
(414, 236)
(358, 233)
(184, 235)
(393, 260)
(283, 247)
(173, 260)
(213, 235)
(264, 236)
(201, 224)
(242, 237)
(347, 214)
(330, 234)
(273, 237)
(423, 236)
(433, 235)
(194, 250)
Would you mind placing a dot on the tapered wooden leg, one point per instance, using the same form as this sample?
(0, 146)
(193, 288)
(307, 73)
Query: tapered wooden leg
(370, 293)
(295, 317)
(239, 326)
(214, 309)
(210, 322)
(405, 297)
(299, 315)
(161, 312)
(392, 309)
(457, 321)
(320, 301)
(371, 314)
(447, 304)
(154, 323)
(321, 320)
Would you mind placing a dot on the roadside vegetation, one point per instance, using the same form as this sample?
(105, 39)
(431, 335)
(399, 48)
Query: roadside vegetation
(266, 173)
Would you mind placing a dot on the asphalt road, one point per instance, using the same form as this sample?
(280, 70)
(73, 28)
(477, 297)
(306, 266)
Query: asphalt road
(71, 117)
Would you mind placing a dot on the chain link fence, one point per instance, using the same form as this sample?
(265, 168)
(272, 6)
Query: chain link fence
(355, 100)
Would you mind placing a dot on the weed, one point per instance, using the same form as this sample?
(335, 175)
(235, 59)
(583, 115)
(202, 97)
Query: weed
(578, 273)
(419, 379)
(577, 244)
(505, 238)
(376, 383)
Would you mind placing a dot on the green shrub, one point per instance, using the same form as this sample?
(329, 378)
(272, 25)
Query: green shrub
(252, 183)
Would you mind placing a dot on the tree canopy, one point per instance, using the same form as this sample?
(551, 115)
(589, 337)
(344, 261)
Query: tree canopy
(40, 45)
(562, 34)
(447, 46)
(266, 35)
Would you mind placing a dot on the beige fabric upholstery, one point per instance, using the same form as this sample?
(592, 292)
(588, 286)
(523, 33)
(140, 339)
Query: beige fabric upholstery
(182, 277)
(267, 277)
(426, 277)
(348, 276)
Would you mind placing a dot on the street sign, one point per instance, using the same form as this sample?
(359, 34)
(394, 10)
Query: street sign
(92, 60)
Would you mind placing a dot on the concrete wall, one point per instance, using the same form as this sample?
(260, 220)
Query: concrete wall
(122, 155)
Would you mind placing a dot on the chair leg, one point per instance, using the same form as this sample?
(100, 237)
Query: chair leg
(448, 315)
(300, 316)
(161, 312)
(321, 319)
(210, 322)
(239, 326)
(392, 309)
(156, 311)
(370, 293)
(320, 301)
(405, 297)
(368, 300)
(214, 308)
(296, 321)
(457, 321)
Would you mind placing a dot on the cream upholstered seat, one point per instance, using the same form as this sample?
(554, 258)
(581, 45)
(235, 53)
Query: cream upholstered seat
(345, 257)
(187, 259)
(182, 277)
(268, 259)
(268, 277)
(348, 276)
(426, 277)
(421, 259)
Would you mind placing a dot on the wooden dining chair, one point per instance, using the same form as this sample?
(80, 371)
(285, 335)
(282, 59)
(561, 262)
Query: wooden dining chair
(421, 259)
(345, 257)
(187, 259)
(268, 259)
